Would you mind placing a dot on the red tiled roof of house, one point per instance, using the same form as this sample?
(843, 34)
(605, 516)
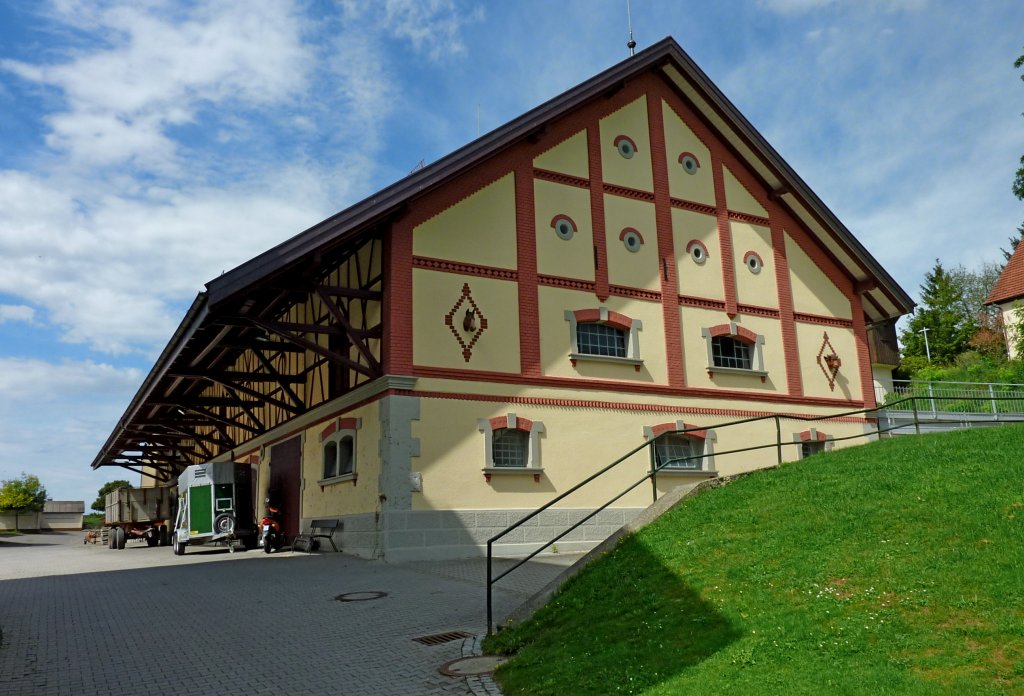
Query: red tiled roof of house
(1010, 285)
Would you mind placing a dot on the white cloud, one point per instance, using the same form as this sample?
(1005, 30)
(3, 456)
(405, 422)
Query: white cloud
(54, 418)
(17, 313)
(23, 379)
(153, 73)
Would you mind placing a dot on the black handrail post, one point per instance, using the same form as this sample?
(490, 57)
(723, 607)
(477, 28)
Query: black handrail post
(917, 422)
(489, 586)
(778, 438)
(654, 472)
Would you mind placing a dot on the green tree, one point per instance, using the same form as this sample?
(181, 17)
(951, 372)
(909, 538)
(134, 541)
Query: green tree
(941, 315)
(1018, 179)
(1014, 241)
(20, 495)
(100, 504)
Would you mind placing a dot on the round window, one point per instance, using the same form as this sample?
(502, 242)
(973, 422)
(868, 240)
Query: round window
(753, 261)
(689, 162)
(631, 239)
(565, 228)
(625, 145)
(698, 252)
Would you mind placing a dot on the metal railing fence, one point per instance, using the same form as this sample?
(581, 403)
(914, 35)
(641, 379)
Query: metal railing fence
(909, 404)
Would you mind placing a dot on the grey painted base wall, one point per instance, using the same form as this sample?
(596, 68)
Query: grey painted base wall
(414, 535)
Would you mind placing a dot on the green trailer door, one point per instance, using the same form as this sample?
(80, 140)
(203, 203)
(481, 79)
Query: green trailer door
(200, 510)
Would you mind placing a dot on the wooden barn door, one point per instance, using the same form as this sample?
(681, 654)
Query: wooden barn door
(285, 465)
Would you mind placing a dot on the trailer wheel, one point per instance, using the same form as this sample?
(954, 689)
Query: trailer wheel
(179, 548)
(119, 538)
(152, 538)
(164, 537)
(111, 538)
(224, 523)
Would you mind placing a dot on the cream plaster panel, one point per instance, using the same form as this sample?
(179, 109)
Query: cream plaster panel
(809, 340)
(698, 280)
(695, 352)
(435, 293)
(1011, 316)
(480, 229)
(635, 172)
(760, 289)
(699, 187)
(633, 269)
(567, 157)
(555, 256)
(813, 291)
(555, 339)
(738, 198)
(576, 443)
(343, 498)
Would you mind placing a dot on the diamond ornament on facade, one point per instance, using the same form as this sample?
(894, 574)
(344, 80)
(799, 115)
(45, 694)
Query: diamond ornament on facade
(466, 328)
(829, 362)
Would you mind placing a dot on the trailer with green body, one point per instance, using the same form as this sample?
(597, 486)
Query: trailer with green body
(215, 505)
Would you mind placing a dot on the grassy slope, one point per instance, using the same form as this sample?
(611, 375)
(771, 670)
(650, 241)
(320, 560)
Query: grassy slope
(896, 567)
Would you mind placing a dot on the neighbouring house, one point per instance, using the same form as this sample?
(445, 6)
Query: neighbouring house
(627, 259)
(1007, 294)
(56, 515)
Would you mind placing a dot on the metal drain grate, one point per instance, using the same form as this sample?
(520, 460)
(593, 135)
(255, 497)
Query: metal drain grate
(441, 638)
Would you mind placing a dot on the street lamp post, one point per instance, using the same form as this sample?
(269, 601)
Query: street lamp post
(927, 350)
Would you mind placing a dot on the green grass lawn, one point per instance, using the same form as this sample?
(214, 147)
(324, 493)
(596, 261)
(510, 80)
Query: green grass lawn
(892, 568)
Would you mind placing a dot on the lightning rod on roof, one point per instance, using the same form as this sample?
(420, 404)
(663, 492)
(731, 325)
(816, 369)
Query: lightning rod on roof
(631, 44)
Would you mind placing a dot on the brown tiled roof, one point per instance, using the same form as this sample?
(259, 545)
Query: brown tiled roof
(1010, 285)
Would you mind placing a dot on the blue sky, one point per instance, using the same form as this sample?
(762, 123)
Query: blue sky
(146, 146)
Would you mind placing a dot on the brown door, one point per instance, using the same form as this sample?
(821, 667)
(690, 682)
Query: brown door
(285, 464)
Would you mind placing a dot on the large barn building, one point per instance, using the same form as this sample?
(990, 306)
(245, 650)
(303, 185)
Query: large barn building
(627, 259)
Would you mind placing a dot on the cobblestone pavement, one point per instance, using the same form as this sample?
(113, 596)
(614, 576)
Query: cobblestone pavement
(80, 620)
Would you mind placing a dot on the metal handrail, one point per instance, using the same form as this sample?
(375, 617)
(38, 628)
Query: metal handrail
(652, 474)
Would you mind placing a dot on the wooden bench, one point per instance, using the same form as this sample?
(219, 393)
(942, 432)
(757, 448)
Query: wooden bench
(318, 529)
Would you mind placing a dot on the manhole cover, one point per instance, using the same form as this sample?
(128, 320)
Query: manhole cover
(466, 666)
(440, 638)
(360, 596)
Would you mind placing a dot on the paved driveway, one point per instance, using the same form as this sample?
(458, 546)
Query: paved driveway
(87, 620)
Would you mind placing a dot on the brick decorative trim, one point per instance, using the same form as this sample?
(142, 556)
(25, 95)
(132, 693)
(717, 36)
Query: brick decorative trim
(757, 311)
(626, 192)
(559, 178)
(571, 283)
(633, 387)
(724, 236)
(823, 320)
(666, 238)
(614, 319)
(692, 206)
(813, 435)
(612, 405)
(701, 302)
(860, 337)
(741, 332)
(635, 293)
(671, 426)
(398, 301)
(748, 218)
(519, 423)
(627, 230)
(790, 345)
(464, 268)
(597, 209)
(526, 262)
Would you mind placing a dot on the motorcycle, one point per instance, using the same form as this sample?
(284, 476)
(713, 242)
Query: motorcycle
(271, 538)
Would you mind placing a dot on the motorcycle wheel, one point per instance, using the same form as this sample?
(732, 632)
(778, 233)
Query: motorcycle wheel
(266, 545)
